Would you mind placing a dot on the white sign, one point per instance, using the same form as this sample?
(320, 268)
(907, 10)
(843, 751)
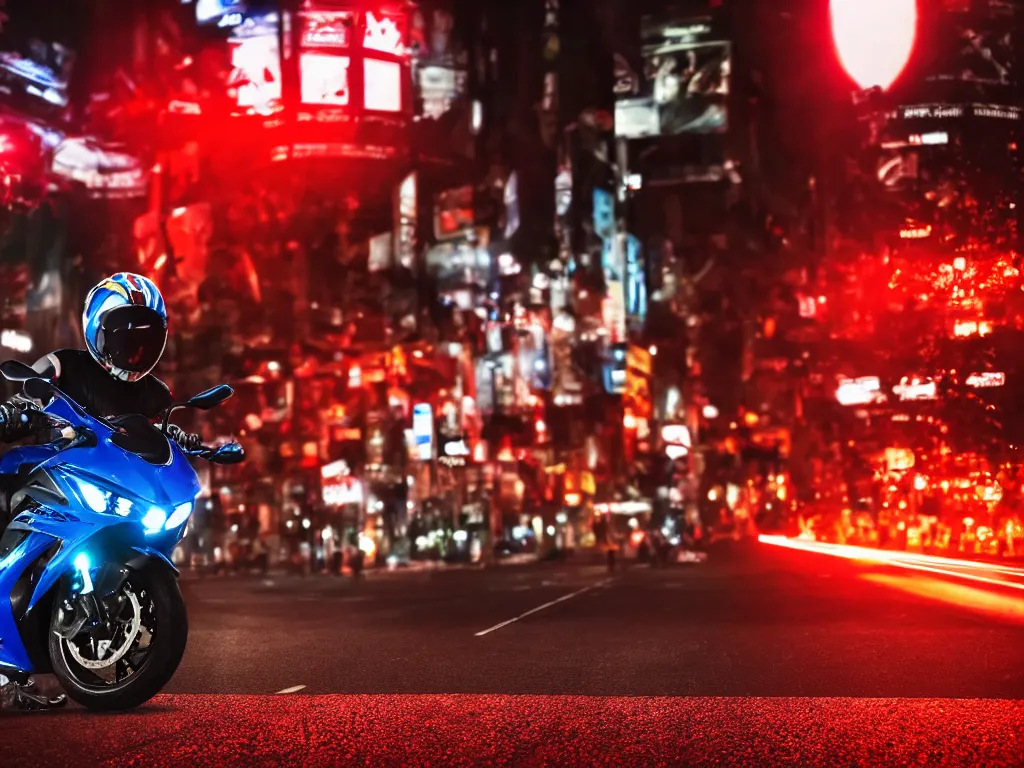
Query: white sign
(423, 430)
(986, 379)
(343, 490)
(19, 341)
(676, 434)
(334, 470)
(624, 507)
(458, 448)
(916, 388)
(862, 391)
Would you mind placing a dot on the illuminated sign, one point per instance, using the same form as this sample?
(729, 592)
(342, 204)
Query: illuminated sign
(457, 448)
(932, 139)
(964, 328)
(682, 85)
(383, 34)
(899, 459)
(623, 508)
(439, 87)
(676, 434)
(423, 430)
(382, 85)
(916, 388)
(19, 341)
(862, 391)
(613, 312)
(916, 233)
(178, 107)
(331, 29)
(940, 111)
(338, 487)
(930, 111)
(996, 111)
(808, 307)
(986, 379)
(101, 168)
(406, 216)
(334, 470)
(310, 150)
(454, 213)
(224, 12)
(324, 79)
(256, 69)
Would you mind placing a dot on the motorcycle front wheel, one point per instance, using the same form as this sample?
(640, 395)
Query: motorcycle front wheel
(129, 658)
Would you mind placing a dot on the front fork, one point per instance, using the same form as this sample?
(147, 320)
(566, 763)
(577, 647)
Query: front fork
(85, 601)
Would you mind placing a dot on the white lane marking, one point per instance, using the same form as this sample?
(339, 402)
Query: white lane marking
(293, 689)
(542, 607)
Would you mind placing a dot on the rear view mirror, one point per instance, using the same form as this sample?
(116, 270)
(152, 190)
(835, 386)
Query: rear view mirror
(13, 370)
(38, 389)
(229, 453)
(211, 398)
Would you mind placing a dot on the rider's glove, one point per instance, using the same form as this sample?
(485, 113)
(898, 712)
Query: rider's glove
(188, 441)
(19, 419)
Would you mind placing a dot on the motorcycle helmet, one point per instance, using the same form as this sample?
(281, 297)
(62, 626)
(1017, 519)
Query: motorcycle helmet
(125, 325)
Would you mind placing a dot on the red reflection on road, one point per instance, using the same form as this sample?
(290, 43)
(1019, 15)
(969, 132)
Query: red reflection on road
(992, 604)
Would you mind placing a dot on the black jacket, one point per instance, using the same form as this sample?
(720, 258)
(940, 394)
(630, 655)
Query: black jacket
(87, 382)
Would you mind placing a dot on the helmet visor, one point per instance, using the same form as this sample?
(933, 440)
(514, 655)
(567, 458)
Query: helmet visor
(132, 338)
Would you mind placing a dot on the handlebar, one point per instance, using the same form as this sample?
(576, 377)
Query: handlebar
(203, 451)
(228, 453)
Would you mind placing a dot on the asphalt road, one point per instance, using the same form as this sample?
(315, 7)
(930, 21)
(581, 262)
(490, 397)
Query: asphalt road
(760, 656)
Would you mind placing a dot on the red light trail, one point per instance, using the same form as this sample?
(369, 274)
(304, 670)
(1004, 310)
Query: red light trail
(969, 570)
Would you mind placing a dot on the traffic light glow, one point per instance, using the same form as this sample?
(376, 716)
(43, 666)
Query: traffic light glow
(873, 38)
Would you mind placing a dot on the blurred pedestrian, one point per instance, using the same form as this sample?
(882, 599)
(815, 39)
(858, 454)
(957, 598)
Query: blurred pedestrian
(336, 558)
(643, 551)
(260, 555)
(612, 550)
(356, 562)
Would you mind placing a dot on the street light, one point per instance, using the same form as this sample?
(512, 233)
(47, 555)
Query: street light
(874, 38)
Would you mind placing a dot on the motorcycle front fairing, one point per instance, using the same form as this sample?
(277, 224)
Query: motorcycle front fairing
(61, 529)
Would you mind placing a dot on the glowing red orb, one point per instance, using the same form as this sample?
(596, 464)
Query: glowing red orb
(874, 38)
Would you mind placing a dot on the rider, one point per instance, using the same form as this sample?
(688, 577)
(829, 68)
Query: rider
(125, 328)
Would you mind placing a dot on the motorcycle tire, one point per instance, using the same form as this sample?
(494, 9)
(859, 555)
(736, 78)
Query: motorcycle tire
(161, 661)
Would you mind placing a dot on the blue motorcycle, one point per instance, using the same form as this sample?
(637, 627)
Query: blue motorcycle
(87, 587)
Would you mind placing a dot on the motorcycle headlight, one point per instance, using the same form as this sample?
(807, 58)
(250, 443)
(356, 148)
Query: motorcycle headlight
(154, 520)
(102, 501)
(107, 502)
(96, 499)
(179, 515)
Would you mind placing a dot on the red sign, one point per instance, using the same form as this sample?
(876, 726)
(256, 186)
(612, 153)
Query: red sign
(454, 213)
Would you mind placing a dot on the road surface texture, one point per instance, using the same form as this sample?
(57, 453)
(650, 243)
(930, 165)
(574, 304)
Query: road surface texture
(761, 656)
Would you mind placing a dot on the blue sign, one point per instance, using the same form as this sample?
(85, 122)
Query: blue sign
(636, 282)
(604, 214)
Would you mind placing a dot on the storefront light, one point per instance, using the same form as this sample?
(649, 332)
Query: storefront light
(19, 341)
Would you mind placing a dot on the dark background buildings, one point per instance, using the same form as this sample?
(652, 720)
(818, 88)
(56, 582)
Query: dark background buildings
(618, 258)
